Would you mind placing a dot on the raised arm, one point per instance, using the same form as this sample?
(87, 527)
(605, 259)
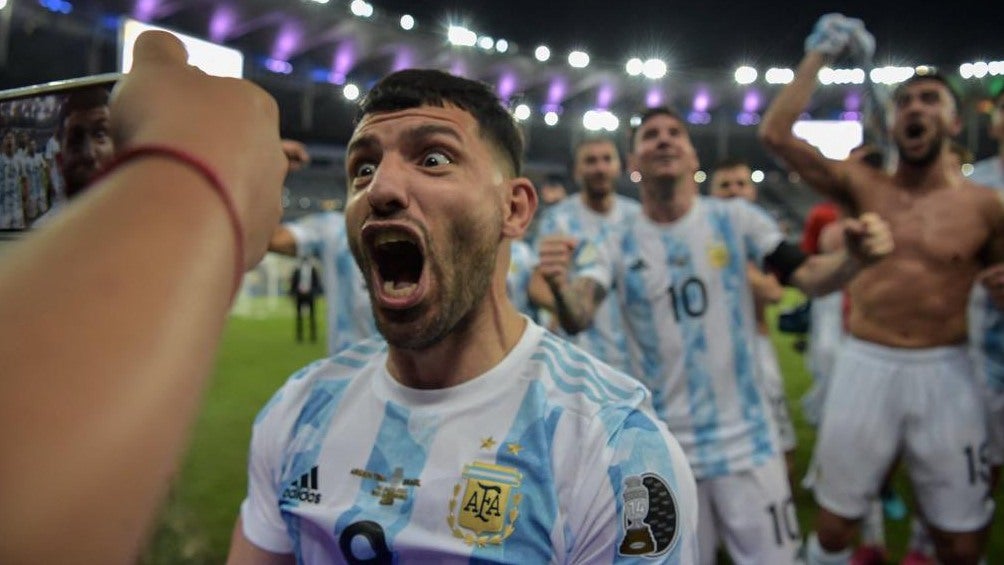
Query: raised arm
(110, 315)
(833, 35)
(574, 300)
(868, 240)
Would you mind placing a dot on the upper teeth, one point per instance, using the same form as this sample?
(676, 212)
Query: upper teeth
(391, 237)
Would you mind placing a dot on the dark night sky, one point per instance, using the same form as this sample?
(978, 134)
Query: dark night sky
(717, 33)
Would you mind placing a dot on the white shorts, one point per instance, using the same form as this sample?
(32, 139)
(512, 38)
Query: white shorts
(826, 330)
(770, 379)
(920, 404)
(986, 338)
(752, 513)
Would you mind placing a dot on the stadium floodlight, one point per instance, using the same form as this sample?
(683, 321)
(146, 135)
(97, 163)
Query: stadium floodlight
(542, 53)
(501, 46)
(460, 35)
(654, 69)
(350, 91)
(634, 66)
(521, 112)
(890, 75)
(596, 120)
(407, 22)
(745, 75)
(551, 118)
(486, 42)
(757, 176)
(776, 75)
(578, 59)
(700, 176)
(361, 8)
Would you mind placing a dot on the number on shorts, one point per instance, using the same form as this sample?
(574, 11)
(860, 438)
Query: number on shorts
(977, 463)
(784, 521)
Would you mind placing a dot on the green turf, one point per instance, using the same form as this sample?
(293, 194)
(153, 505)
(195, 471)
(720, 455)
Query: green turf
(256, 357)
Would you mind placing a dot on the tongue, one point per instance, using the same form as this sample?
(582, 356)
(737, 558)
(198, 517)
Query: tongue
(399, 288)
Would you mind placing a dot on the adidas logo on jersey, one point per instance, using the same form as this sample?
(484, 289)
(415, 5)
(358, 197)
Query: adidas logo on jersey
(304, 489)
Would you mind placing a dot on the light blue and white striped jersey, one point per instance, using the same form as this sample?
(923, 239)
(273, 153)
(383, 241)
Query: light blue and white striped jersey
(522, 262)
(549, 457)
(11, 180)
(606, 337)
(684, 293)
(350, 316)
(986, 327)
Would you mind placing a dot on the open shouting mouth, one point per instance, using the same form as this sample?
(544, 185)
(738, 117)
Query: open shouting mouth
(398, 265)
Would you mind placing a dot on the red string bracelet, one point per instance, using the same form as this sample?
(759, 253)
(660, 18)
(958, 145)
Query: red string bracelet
(207, 172)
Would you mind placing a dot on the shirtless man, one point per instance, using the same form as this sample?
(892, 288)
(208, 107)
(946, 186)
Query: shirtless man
(903, 373)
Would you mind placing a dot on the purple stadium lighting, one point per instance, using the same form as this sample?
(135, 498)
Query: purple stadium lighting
(604, 96)
(222, 23)
(702, 100)
(852, 107)
(507, 86)
(341, 62)
(700, 115)
(556, 91)
(749, 115)
(751, 101)
(287, 41)
(653, 98)
(404, 58)
(145, 9)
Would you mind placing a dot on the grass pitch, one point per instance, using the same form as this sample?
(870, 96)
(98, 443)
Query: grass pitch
(259, 352)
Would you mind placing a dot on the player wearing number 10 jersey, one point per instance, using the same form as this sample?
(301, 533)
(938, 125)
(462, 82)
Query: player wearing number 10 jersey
(679, 274)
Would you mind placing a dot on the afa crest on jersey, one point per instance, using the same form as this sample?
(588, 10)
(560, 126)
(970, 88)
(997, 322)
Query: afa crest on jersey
(487, 510)
(718, 255)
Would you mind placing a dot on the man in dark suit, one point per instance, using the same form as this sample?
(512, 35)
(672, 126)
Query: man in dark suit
(304, 288)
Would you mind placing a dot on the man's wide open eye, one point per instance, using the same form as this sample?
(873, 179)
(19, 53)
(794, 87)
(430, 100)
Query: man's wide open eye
(435, 159)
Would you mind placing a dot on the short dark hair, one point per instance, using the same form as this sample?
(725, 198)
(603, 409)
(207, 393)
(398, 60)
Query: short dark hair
(81, 100)
(730, 163)
(936, 77)
(412, 88)
(650, 113)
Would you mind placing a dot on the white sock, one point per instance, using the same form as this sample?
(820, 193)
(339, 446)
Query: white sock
(816, 555)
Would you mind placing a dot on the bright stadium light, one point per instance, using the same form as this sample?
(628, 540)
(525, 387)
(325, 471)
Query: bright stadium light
(407, 22)
(890, 75)
(578, 59)
(654, 69)
(757, 176)
(361, 8)
(350, 91)
(522, 112)
(775, 75)
(700, 176)
(501, 46)
(596, 120)
(542, 53)
(460, 35)
(745, 75)
(486, 42)
(551, 118)
(634, 66)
